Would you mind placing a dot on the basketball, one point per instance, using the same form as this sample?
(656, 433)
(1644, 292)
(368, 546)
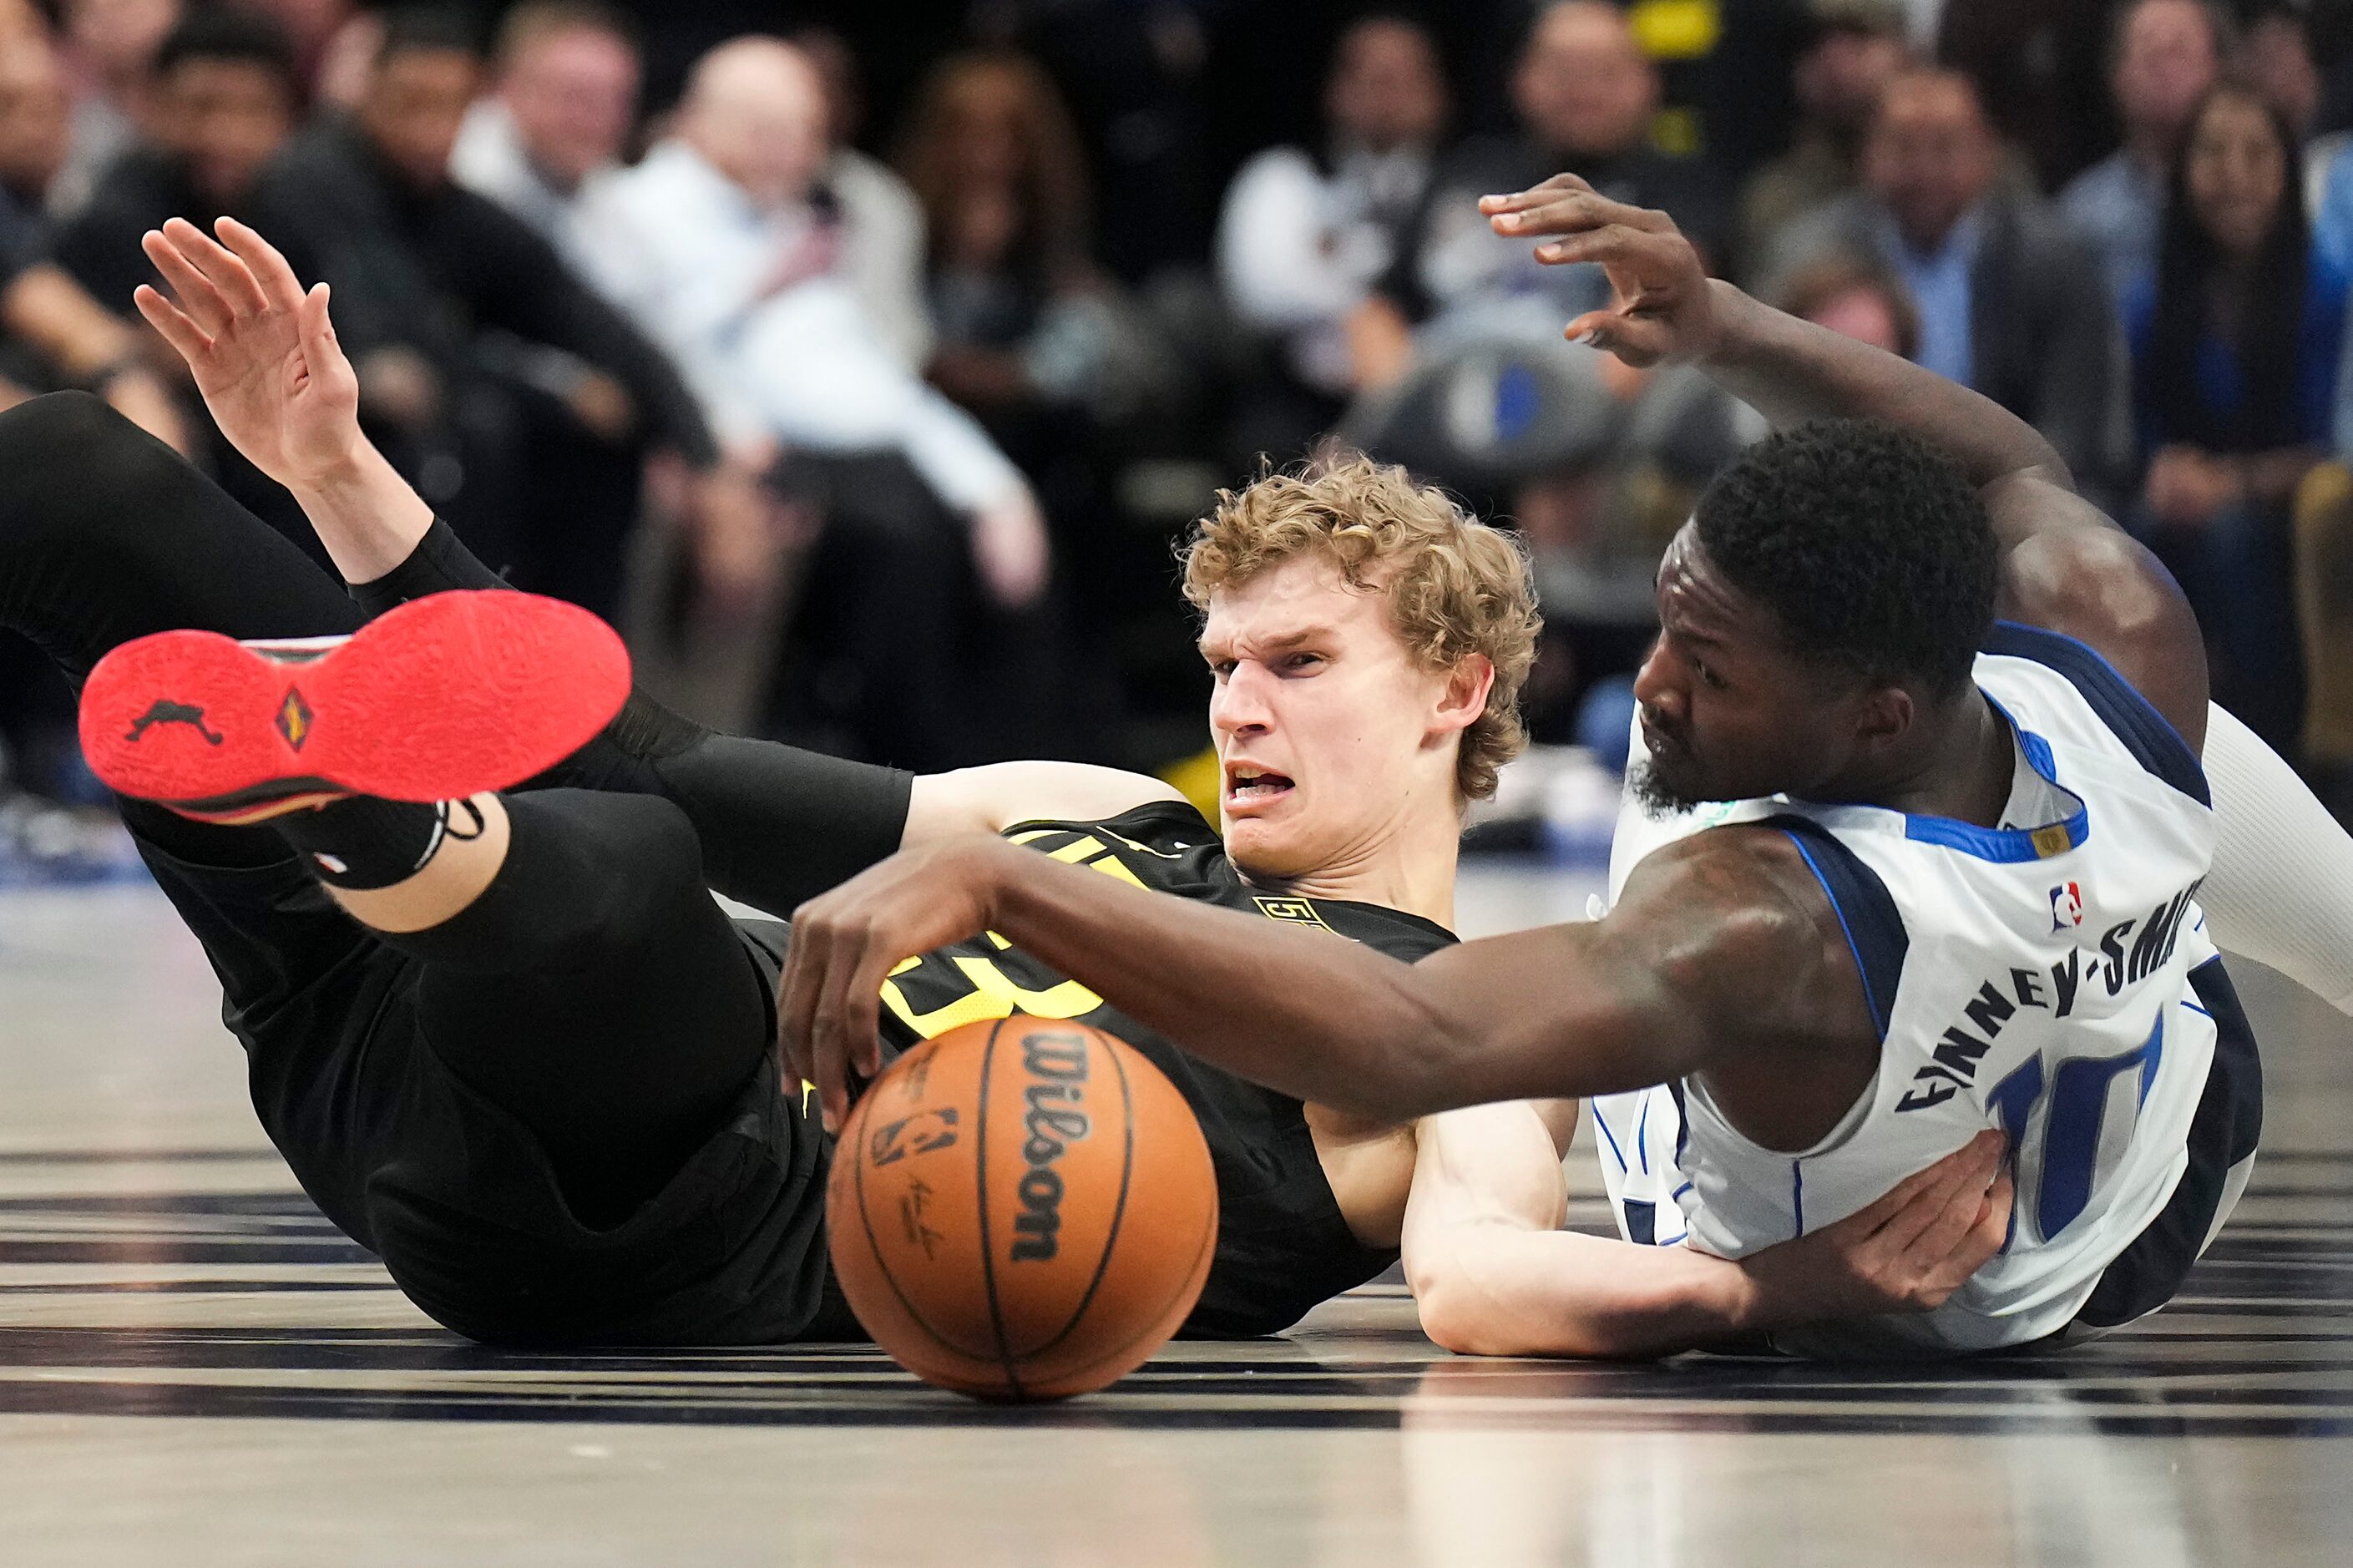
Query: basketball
(1021, 1209)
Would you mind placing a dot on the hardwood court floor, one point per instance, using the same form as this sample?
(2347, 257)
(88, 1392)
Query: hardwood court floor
(195, 1369)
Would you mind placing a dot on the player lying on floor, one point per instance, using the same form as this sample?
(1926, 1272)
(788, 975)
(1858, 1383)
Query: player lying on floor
(510, 1043)
(1927, 876)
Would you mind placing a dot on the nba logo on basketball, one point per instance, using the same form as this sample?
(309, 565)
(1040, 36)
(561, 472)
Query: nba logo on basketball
(2066, 906)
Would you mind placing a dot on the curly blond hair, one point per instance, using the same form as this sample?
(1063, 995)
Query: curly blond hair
(1456, 586)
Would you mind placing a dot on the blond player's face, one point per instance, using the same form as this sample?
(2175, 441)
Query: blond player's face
(1329, 735)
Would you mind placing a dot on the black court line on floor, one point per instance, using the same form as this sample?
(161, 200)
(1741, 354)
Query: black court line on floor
(815, 1403)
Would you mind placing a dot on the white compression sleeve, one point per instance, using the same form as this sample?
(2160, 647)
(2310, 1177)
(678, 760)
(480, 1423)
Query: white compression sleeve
(2281, 887)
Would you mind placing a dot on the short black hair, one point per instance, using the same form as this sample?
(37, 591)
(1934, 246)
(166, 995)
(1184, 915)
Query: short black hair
(233, 37)
(1870, 546)
(434, 29)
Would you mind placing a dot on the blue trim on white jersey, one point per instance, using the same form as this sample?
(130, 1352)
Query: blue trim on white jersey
(1608, 1139)
(1866, 912)
(2144, 731)
(2009, 845)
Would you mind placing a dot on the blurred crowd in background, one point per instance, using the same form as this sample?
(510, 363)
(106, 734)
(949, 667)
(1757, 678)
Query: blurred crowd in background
(865, 362)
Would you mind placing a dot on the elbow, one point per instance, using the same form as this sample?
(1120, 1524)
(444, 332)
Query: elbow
(1458, 1315)
(1459, 1318)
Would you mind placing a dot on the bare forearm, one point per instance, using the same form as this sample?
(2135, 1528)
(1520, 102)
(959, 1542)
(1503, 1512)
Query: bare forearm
(1792, 371)
(366, 515)
(1505, 1292)
(1313, 1015)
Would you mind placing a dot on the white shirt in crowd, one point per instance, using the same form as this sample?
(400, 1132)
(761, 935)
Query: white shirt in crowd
(1299, 246)
(490, 161)
(772, 353)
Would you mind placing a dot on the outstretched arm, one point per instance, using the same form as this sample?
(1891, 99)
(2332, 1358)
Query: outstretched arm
(1718, 941)
(1493, 1274)
(2064, 565)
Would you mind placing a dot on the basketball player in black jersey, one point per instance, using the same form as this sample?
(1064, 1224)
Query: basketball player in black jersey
(511, 1045)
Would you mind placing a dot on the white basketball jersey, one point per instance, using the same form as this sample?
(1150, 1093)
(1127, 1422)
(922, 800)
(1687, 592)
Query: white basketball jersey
(2033, 977)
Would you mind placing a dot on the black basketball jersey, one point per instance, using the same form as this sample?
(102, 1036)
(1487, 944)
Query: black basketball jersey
(1282, 1245)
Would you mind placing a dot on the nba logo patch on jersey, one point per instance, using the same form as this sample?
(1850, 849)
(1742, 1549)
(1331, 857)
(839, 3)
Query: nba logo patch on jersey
(2066, 906)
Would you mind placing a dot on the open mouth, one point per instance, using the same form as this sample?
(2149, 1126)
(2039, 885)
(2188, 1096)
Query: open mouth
(1253, 786)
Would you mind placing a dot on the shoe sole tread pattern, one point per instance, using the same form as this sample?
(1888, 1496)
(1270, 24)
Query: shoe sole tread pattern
(450, 694)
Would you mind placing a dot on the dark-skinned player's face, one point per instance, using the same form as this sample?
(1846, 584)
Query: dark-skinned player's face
(1729, 711)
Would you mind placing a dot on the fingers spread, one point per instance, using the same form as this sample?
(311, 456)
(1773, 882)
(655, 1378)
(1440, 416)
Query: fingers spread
(228, 274)
(197, 296)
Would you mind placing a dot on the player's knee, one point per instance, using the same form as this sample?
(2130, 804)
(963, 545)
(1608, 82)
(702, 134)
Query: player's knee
(631, 867)
(69, 445)
(61, 429)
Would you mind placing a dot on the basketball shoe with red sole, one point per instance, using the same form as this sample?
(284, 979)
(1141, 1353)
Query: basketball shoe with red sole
(446, 696)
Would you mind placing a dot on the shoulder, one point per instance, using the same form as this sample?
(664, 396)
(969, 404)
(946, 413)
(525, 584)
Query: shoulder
(1742, 891)
(1271, 182)
(2090, 581)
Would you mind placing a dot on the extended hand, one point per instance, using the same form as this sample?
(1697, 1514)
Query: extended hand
(1662, 305)
(263, 352)
(846, 943)
(1908, 1252)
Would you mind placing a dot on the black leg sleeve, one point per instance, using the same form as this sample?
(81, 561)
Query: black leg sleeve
(597, 995)
(107, 534)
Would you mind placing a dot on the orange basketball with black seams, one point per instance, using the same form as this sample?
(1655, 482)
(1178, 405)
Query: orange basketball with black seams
(1022, 1209)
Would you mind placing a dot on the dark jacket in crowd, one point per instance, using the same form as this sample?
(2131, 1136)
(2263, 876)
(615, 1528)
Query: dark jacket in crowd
(2044, 336)
(434, 270)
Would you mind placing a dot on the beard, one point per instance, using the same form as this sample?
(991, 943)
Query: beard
(1657, 798)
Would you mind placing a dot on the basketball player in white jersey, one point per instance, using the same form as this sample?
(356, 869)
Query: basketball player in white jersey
(1931, 875)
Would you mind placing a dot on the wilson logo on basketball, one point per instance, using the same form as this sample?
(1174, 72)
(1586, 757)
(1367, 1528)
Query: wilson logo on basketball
(1057, 1066)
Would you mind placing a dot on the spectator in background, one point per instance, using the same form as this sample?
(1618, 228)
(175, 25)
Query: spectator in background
(1855, 300)
(1307, 232)
(723, 243)
(563, 101)
(1584, 93)
(110, 54)
(2163, 56)
(2236, 340)
(517, 400)
(2035, 64)
(52, 333)
(36, 116)
(2010, 303)
(882, 221)
(1029, 336)
(1857, 49)
(311, 25)
(223, 102)
(2277, 58)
